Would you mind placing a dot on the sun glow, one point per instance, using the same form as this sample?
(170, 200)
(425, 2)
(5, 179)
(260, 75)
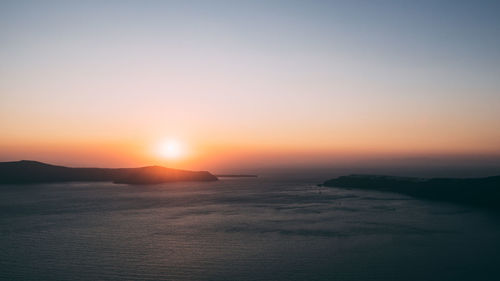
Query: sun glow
(171, 149)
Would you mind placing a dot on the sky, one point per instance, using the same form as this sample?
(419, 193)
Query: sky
(249, 83)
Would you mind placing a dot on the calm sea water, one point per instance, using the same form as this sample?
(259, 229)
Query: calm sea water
(239, 229)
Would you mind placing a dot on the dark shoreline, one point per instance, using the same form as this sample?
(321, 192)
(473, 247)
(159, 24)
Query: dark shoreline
(480, 192)
(27, 172)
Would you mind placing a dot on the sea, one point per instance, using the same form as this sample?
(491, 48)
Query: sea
(239, 229)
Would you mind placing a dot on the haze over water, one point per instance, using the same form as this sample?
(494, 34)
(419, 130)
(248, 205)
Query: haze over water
(239, 229)
(297, 92)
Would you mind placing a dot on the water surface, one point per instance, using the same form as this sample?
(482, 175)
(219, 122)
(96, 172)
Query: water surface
(239, 229)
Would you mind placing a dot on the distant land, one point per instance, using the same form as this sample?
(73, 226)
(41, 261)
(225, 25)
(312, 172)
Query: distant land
(235, 176)
(26, 171)
(483, 192)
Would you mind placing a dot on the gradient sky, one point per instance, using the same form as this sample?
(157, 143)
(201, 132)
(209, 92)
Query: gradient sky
(248, 82)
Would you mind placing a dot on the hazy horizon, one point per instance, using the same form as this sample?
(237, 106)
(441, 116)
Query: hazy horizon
(246, 86)
(320, 99)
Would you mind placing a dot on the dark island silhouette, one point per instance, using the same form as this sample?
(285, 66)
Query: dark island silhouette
(26, 171)
(483, 192)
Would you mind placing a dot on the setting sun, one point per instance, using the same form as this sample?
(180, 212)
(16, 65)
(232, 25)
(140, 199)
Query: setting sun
(250, 140)
(171, 149)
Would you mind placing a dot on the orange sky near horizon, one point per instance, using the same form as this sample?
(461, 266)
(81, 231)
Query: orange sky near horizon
(228, 157)
(245, 84)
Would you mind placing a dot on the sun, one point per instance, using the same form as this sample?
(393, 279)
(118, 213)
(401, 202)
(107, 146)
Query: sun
(171, 149)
